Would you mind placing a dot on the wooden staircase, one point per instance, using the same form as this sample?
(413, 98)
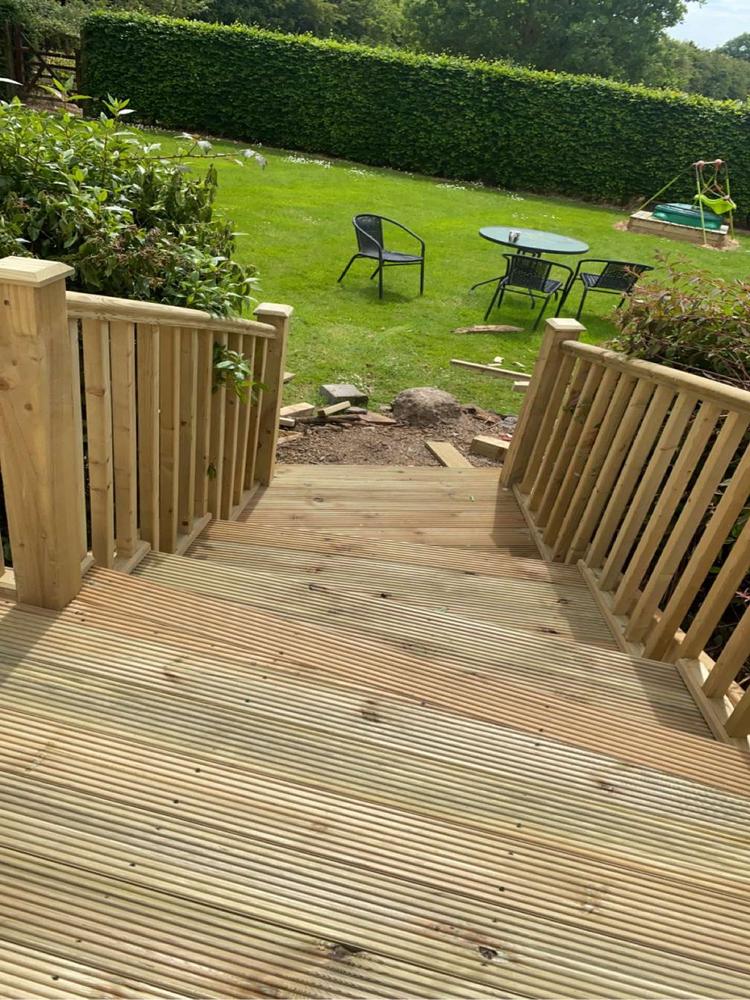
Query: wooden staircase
(335, 732)
(329, 752)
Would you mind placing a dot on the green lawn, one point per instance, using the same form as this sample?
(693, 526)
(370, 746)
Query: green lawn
(296, 215)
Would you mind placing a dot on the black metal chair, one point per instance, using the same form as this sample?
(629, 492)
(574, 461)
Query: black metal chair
(371, 246)
(529, 276)
(617, 277)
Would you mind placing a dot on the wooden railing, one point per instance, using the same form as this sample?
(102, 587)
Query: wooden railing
(114, 435)
(641, 475)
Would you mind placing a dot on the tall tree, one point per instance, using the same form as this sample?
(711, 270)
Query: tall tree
(616, 38)
(738, 48)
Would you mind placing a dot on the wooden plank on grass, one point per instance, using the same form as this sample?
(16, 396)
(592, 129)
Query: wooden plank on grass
(491, 328)
(447, 454)
(329, 411)
(488, 369)
(489, 447)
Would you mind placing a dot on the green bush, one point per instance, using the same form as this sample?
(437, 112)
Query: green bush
(92, 194)
(437, 115)
(690, 320)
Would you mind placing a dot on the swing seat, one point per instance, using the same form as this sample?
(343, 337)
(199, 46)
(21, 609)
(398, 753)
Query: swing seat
(720, 206)
(687, 215)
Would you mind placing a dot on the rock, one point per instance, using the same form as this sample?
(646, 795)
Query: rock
(425, 406)
(507, 425)
(342, 392)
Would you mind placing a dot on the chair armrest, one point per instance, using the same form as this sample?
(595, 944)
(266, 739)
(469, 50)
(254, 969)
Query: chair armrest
(564, 267)
(406, 229)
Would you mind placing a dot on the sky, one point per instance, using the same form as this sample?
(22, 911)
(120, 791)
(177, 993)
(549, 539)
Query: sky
(714, 22)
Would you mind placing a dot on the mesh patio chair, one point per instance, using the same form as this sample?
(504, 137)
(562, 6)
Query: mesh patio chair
(529, 276)
(371, 246)
(617, 277)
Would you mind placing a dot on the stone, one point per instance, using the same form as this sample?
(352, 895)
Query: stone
(342, 392)
(425, 406)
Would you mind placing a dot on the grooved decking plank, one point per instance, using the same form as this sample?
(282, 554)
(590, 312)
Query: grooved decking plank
(678, 917)
(421, 926)
(507, 784)
(328, 545)
(567, 675)
(187, 651)
(481, 598)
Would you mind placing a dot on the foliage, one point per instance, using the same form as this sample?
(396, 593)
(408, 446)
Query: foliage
(695, 321)
(233, 371)
(94, 195)
(503, 125)
(738, 48)
(613, 38)
(374, 21)
(712, 72)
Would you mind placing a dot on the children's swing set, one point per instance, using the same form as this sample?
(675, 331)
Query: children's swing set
(708, 220)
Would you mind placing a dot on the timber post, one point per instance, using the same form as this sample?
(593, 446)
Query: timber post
(41, 437)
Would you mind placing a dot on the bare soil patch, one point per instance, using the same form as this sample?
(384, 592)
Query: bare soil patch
(390, 444)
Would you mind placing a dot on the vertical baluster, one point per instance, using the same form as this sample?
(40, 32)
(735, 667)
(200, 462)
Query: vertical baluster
(259, 370)
(560, 429)
(729, 664)
(545, 386)
(716, 532)
(98, 382)
(629, 476)
(673, 490)
(651, 478)
(278, 316)
(188, 423)
(695, 505)
(147, 355)
(217, 450)
(559, 528)
(75, 366)
(546, 424)
(248, 349)
(204, 386)
(573, 431)
(124, 444)
(721, 593)
(169, 437)
(231, 435)
(626, 430)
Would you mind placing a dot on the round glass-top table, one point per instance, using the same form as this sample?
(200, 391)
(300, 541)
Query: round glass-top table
(533, 241)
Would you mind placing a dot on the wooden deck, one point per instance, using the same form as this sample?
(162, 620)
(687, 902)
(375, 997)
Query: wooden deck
(363, 744)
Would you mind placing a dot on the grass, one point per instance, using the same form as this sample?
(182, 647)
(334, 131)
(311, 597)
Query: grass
(296, 217)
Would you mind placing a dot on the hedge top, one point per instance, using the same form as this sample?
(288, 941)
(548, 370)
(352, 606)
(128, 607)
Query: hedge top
(435, 114)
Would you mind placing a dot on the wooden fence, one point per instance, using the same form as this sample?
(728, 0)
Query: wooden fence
(114, 437)
(641, 475)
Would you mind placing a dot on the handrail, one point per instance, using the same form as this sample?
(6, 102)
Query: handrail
(116, 437)
(718, 392)
(82, 305)
(640, 475)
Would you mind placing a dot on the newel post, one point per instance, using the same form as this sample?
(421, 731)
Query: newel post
(40, 431)
(537, 397)
(279, 317)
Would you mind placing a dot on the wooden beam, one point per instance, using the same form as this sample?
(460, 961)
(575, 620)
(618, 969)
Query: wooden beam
(447, 454)
(489, 369)
(279, 317)
(489, 447)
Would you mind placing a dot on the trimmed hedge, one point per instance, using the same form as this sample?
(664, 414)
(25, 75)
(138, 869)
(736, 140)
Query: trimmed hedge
(438, 115)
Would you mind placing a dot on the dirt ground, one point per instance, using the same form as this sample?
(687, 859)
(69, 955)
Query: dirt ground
(388, 444)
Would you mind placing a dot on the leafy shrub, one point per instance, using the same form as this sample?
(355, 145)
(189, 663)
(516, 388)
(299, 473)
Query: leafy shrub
(693, 321)
(437, 115)
(131, 223)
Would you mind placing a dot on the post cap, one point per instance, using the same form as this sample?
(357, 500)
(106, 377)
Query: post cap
(270, 309)
(32, 271)
(563, 325)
